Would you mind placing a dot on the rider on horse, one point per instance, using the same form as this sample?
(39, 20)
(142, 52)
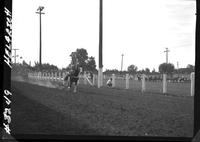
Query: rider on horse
(73, 75)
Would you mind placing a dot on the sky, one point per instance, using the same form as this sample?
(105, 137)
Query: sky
(139, 29)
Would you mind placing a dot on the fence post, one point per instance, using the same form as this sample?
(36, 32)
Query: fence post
(143, 83)
(113, 80)
(164, 83)
(43, 76)
(63, 76)
(46, 76)
(38, 75)
(56, 76)
(127, 81)
(192, 78)
(59, 76)
(52, 76)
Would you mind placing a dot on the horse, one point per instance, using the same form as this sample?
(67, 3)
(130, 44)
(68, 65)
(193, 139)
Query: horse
(72, 77)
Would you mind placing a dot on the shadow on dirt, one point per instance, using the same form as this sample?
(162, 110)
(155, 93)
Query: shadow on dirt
(31, 117)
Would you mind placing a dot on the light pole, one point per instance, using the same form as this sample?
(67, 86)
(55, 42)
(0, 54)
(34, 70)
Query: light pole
(100, 72)
(167, 50)
(122, 62)
(39, 11)
(177, 65)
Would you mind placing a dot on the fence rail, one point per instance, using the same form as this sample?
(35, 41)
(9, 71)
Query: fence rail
(164, 86)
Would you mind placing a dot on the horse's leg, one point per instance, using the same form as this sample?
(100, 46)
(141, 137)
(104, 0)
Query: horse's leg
(75, 88)
(75, 85)
(69, 82)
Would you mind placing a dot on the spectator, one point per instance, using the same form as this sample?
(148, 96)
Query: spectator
(109, 82)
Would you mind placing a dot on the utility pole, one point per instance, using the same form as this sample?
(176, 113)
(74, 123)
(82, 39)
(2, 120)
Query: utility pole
(177, 65)
(167, 50)
(15, 56)
(122, 62)
(100, 72)
(39, 11)
(178, 69)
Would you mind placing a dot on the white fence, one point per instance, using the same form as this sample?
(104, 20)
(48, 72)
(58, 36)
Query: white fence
(60, 77)
(47, 76)
(164, 83)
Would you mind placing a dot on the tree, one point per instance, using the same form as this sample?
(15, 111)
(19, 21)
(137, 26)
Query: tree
(153, 71)
(132, 69)
(190, 68)
(81, 55)
(110, 72)
(147, 71)
(91, 64)
(44, 67)
(167, 68)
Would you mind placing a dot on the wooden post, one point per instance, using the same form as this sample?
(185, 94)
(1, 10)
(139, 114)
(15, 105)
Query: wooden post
(56, 76)
(42, 76)
(52, 76)
(113, 80)
(143, 83)
(100, 77)
(164, 83)
(192, 78)
(38, 75)
(48, 76)
(63, 76)
(59, 76)
(127, 81)
(100, 71)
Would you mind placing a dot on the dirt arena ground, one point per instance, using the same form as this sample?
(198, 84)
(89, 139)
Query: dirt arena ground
(103, 112)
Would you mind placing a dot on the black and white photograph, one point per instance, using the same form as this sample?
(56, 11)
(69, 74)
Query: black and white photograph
(100, 69)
